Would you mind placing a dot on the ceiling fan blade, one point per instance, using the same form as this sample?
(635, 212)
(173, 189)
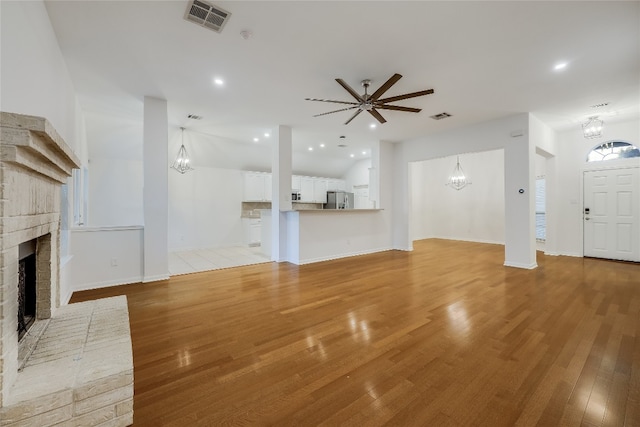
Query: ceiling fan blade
(377, 115)
(349, 89)
(385, 87)
(405, 96)
(353, 117)
(331, 100)
(398, 108)
(336, 111)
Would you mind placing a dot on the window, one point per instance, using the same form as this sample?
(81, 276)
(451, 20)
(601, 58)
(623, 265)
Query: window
(541, 219)
(613, 150)
(80, 179)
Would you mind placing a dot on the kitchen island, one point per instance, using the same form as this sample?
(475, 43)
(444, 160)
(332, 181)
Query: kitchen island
(320, 235)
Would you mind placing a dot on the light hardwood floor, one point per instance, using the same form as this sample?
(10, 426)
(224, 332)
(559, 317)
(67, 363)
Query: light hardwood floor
(441, 336)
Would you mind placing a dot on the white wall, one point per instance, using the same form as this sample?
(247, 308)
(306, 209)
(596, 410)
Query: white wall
(204, 208)
(115, 192)
(572, 150)
(475, 213)
(510, 133)
(33, 74)
(34, 80)
(103, 256)
(358, 174)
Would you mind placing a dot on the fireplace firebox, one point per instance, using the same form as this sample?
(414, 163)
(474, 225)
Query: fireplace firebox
(26, 294)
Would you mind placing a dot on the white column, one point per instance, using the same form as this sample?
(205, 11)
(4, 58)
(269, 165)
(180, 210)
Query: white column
(281, 191)
(155, 191)
(519, 199)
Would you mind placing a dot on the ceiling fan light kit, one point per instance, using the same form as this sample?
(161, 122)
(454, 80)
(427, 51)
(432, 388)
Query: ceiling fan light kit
(372, 103)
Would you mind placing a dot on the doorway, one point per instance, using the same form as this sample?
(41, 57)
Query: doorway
(611, 214)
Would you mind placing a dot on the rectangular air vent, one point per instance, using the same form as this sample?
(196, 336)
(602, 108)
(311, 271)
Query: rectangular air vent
(194, 117)
(440, 116)
(207, 15)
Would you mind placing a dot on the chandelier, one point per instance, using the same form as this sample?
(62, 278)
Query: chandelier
(457, 179)
(181, 163)
(592, 128)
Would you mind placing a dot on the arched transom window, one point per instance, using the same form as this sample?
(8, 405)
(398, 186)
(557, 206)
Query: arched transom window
(612, 150)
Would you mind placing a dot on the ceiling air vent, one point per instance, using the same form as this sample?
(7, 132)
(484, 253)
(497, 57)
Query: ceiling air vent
(342, 143)
(440, 116)
(207, 15)
(194, 117)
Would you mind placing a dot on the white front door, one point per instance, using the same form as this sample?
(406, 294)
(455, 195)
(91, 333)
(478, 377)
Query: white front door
(612, 214)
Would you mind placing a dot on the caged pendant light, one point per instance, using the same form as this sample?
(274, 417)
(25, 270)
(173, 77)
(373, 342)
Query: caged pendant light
(458, 180)
(592, 128)
(181, 163)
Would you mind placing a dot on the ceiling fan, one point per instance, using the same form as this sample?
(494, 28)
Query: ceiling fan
(372, 103)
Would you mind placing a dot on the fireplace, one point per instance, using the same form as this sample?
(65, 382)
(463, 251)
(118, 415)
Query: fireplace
(75, 364)
(26, 287)
(34, 163)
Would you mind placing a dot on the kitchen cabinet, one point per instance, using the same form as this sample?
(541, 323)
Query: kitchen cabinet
(307, 193)
(295, 182)
(320, 187)
(336, 185)
(257, 187)
(252, 231)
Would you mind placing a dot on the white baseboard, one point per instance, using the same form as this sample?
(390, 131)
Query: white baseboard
(106, 284)
(155, 278)
(344, 255)
(519, 265)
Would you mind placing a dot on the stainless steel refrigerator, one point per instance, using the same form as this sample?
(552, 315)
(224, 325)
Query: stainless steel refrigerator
(339, 200)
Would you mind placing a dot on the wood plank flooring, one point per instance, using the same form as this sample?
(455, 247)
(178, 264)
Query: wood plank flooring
(441, 336)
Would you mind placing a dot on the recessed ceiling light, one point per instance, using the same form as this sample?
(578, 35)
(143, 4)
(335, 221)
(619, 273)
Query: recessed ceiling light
(372, 125)
(560, 66)
(352, 155)
(267, 134)
(218, 81)
(310, 148)
(255, 140)
(322, 145)
(364, 152)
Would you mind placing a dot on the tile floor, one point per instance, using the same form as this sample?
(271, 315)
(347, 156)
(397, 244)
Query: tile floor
(186, 262)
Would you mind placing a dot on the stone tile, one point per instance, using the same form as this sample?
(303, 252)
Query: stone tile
(101, 400)
(93, 418)
(124, 408)
(53, 417)
(103, 385)
(121, 421)
(44, 404)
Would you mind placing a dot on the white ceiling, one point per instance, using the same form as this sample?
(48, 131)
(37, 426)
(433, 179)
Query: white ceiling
(483, 59)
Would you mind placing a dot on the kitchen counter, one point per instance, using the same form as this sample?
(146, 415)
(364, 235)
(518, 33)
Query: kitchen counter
(322, 234)
(334, 210)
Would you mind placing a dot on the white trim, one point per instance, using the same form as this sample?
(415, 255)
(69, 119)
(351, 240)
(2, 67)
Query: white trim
(107, 228)
(518, 265)
(107, 283)
(156, 278)
(66, 299)
(344, 255)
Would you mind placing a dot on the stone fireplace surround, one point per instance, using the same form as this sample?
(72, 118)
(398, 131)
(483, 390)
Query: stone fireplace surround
(75, 365)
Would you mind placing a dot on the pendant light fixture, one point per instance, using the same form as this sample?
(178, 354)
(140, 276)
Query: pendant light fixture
(458, 180)
(592, 128)
(182, 161)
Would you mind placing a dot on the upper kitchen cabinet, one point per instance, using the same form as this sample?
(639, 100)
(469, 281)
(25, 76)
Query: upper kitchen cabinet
(336, 185)
(307, 193)
(295, 182)
(257, 187)
(320, 187)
